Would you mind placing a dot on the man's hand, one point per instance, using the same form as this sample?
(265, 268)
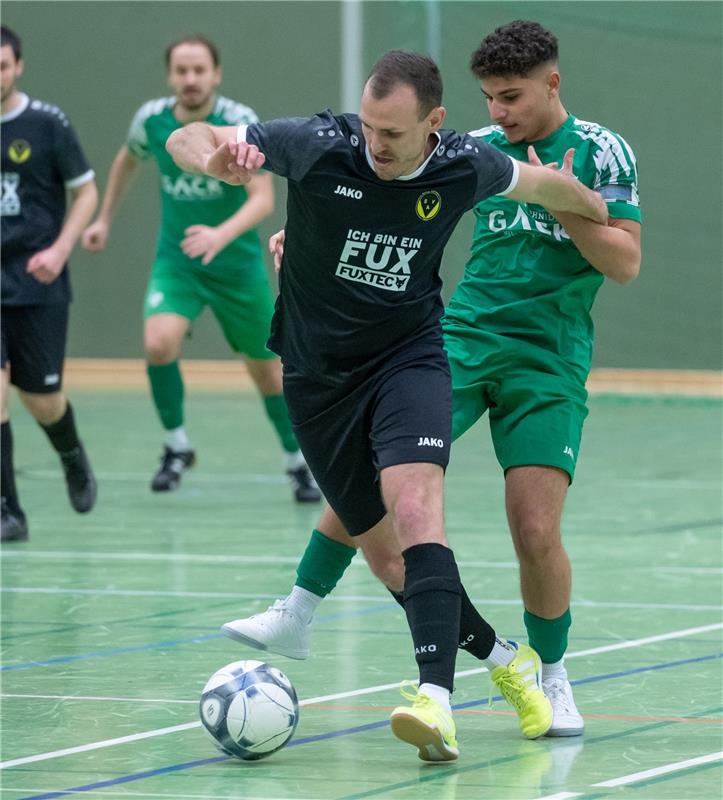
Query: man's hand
(276, 248)
(534, 159)
(234, 163)
(95, 236)
(46, 265)
(203, 240)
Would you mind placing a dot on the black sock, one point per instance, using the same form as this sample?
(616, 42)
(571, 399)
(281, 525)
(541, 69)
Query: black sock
(476, 635)
(7, 469)
(431, 602)
(62, 434)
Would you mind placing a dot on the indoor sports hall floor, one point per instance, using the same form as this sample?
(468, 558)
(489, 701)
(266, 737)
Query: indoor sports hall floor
(110, 621)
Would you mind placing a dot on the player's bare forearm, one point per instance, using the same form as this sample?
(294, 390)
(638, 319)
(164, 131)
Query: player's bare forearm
(613, 250)
(192, 146)
(85, 200)
(122, 170)
(258, 206)
(558, 192)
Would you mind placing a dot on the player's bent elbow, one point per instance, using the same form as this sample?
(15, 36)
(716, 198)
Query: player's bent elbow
(626, 272)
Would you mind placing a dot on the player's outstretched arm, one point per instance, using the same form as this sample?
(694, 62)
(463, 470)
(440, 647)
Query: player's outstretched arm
(214, 151)
(558, 192)
(123, 168)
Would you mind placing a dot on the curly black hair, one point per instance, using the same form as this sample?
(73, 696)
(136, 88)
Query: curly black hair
(514, 49)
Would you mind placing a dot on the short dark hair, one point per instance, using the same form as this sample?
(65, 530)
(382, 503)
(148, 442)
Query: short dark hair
(8, 37)
(195, 38)
(411, 69)
(514, 49)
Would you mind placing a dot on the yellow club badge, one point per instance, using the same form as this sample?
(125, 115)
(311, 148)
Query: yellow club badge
(428, 205)
(19, 151)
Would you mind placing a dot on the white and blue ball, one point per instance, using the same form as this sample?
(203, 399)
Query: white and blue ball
(249, 709)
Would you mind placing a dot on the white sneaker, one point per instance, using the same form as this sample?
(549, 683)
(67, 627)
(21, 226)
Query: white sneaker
(277, 629)
(566, 719)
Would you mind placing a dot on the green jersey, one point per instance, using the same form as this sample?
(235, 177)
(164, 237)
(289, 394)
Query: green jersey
(525, 278)
(188, 199)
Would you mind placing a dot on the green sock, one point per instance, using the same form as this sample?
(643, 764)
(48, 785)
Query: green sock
(548, 636)
(323, 563)
(167, 391)
(278, 413)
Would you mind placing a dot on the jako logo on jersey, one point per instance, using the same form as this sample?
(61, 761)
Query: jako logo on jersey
(357, 194)
(568, 451)
(427, 441)
(192, 187)
(19, 151)
(425, 648)
(386, 259)
(428, 205)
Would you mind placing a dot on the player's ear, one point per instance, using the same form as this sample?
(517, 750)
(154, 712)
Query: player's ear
(553, 82)
(19, 68)
(436, 118)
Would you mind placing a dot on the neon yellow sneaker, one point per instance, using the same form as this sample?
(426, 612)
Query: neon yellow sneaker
(521, 685)
(426, 725)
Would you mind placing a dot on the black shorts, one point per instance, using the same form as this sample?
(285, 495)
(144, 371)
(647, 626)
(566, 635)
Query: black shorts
(33, 342)
(400, 415)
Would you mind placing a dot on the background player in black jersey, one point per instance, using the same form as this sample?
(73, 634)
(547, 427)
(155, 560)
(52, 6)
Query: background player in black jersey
(372, 201)
(41, 162)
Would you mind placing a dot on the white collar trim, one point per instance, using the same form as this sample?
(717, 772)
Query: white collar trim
(16, 112)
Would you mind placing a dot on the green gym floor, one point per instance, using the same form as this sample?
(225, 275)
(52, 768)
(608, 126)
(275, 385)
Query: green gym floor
(110, 621)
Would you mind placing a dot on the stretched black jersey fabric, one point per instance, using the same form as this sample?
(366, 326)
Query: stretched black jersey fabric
(41, 160)
(360, 274)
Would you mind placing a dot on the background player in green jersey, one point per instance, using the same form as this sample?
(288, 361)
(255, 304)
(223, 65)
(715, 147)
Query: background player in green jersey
(518, 335)
(208, 253)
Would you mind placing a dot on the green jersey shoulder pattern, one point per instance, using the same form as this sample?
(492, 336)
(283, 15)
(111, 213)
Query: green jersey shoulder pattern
(525, 278)
(188, 199)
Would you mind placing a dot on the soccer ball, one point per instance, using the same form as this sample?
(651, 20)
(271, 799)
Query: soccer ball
(249, 709)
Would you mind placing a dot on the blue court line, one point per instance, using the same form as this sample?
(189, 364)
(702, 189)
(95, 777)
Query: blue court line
(175, 642)
(439, 774)
(89, 787)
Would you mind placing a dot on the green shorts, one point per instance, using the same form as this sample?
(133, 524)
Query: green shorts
(240, 300)
(536, 401)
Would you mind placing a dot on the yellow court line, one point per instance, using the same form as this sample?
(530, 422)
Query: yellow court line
(232, 375)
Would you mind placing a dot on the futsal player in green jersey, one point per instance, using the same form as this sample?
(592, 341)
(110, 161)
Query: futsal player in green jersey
(519, 337)
(208, 254)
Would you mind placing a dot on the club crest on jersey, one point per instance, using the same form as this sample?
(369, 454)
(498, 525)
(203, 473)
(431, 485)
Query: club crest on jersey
(19, 151)
(428, 205)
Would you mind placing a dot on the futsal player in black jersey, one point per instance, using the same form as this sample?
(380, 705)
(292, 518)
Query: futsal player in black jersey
(41, 162)
(372, 200)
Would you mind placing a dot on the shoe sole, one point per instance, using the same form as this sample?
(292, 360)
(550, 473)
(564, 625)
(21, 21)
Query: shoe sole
(428, 741)
(232, 633)
(555, 733)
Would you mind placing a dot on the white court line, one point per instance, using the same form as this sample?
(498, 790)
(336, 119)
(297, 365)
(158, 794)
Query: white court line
(335, 598)
(92, 697)
(196, 558)
(635, 777)
(340, 695)
(560, 796)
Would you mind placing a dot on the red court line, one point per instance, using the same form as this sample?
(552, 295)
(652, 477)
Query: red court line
(626, 717)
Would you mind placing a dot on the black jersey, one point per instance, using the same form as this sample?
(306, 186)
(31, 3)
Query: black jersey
(41, 160)
(360, 274)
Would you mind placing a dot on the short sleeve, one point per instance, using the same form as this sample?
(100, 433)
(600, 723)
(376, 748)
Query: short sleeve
(497, 173)
(617, 177)
(137, 139)
(292, 145)
(72, 163)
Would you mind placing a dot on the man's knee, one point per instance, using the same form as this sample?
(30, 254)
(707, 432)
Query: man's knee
(536, 539)
(45, 408)
(160, 346)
